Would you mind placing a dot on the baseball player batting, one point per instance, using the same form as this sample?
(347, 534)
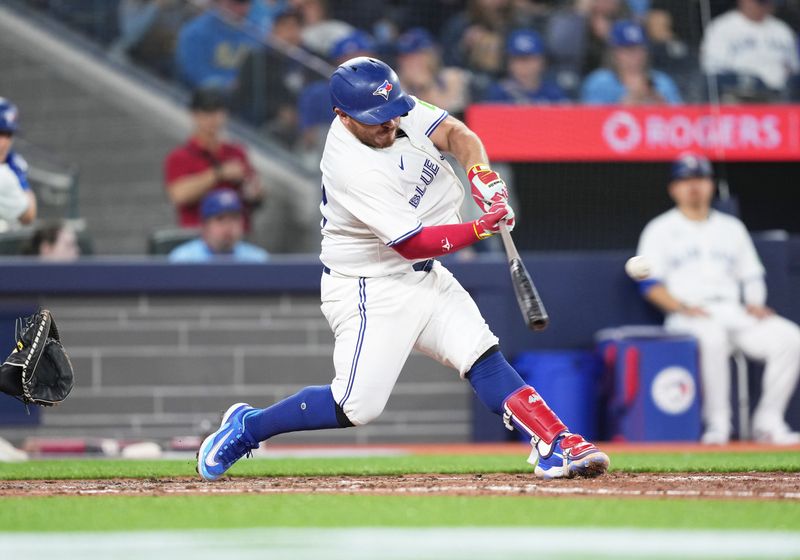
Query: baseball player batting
(390, 206)
(705, 274)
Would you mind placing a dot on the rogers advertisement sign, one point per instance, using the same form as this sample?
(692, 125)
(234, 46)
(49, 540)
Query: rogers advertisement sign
(737, 133)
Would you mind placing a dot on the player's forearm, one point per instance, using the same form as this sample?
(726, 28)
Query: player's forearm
(30, 212)
(465, 145)
(191, 188)
(755, 291)
(661, 298)
(435, 241)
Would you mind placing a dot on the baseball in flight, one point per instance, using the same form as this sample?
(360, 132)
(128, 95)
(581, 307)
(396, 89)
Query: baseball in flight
(637, 267)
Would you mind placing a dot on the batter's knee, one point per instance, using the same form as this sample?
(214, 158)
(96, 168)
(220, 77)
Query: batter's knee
(363, 413)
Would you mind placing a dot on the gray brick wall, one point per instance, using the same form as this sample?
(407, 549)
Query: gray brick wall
(163, 367)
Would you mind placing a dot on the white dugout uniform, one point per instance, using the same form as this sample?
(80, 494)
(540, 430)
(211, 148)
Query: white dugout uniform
(714, 265)
(378, 306)
(13, 200)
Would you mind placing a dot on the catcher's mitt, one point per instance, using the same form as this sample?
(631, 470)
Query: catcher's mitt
(38, 371)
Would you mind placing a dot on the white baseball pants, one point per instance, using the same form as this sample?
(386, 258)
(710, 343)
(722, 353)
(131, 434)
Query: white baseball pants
(378, 321)
(774, 340)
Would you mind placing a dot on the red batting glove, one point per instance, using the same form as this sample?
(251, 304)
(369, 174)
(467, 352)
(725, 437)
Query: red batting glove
(487, 186)
(489, 224)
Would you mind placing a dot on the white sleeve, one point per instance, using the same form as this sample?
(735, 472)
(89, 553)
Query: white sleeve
(714, 50)
(748, 265)
(380, 205)
(651, 248)
(423, 118)
(13, 200)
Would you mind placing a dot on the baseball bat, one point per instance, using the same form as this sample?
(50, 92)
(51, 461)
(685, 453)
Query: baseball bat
(533, 311)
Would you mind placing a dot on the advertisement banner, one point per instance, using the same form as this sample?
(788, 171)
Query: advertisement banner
(733, 133)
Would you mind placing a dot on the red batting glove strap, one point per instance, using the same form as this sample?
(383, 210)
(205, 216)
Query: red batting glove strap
(435, 241)
(486, 186)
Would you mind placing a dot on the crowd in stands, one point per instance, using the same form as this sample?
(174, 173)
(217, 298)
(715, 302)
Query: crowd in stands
(456, 52)
(268, 62)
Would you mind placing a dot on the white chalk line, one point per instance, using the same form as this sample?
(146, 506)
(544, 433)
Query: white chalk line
(470, 543)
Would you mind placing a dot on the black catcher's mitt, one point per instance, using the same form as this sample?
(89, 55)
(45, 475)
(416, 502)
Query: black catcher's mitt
(38, 371)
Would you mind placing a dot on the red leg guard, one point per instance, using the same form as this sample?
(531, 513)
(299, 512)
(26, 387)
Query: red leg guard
(526, 410)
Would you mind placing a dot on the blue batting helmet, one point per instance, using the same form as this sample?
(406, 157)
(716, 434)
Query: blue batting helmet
(368, 90)
(8, 116)
(691, 165)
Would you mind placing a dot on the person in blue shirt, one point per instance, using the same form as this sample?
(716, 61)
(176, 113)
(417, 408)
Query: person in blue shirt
(526, 81)
(17, 201)
(212, 46)
(221, 233)
(629, 81)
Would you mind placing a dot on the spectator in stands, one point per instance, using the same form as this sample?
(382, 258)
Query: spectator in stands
(577, 38)
(320, 31)
(708, 280)
(221, 233)
(54, 242)
(270, 82)
(526, 81)
(207, 162)
(17, 201)
(212, 46)
(473, 39)
(750, 50)
(314, 105)
(149, 30)
(629, 81)
(419, 66)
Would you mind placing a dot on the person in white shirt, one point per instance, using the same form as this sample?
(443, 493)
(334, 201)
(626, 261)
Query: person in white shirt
(750, 41)
(17, 202)
(390, 205)
(707, 278)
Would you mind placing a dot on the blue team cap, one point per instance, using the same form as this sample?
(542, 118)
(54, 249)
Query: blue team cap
(524, 42)
(218, 202)
(626, 33)
(8, 116)
(415, 40)
(352, 44)
(691, 165)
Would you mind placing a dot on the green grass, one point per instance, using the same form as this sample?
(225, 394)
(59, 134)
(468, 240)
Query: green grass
(630, 462)
(106, 513)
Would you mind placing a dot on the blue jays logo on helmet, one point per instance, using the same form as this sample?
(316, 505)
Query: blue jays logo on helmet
(690, 165)
(369, 91)
(8, 116)
(384, 90)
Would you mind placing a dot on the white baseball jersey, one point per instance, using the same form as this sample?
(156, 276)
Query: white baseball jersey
(375, 198)
(13, 200)
(765, 49)
(700, 262)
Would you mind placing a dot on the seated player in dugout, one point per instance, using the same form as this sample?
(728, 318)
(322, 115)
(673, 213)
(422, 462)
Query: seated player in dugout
(208, 162)
(389, 207)
(17, 201)
(705, 275)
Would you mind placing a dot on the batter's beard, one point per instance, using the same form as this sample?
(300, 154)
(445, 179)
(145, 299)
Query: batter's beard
(372, 140)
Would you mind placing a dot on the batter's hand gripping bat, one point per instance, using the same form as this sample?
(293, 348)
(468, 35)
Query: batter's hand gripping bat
(533, 311)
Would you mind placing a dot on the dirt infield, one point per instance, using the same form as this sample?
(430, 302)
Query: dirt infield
(730, 486)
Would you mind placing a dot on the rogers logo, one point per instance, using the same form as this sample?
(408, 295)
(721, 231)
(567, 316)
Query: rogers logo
(622, 132)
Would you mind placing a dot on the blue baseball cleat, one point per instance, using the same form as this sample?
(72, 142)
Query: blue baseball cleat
(227, 445)
(572, 456)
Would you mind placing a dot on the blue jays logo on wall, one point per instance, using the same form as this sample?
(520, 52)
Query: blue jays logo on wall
(383, 90)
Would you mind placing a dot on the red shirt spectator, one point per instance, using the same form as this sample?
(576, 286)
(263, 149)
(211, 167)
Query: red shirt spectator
(207, 163)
